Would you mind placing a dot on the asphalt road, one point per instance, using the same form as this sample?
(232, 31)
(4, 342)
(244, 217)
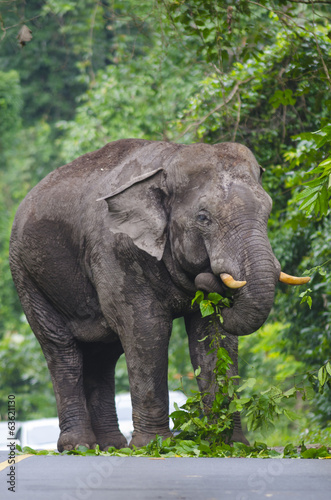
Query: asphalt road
(123, 478)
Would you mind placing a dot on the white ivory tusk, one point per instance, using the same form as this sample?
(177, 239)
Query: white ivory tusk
(293, 280)
(230, 282)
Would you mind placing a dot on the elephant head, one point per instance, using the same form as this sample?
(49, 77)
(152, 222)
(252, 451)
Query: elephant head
(206, 206)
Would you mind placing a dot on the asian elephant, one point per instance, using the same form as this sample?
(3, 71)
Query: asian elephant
(106, 251)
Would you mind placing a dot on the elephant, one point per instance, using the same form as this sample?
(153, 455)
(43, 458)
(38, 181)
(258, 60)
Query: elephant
(107, 251)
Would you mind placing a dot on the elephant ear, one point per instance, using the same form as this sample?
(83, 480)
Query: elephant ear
(137, 209)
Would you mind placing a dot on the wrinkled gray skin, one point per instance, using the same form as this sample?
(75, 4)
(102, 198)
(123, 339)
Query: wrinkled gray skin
(99, 278)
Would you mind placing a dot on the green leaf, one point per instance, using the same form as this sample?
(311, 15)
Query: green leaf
(322, 375)
(251, 422)
(326, 162)
(248, 383)
(309, 201)
(206, 308)
(315, 453)
(27, 449)
(215, 298)
(199, 296)
(125, 451)
(197, 371)
(309, 393)
(291, 415)
(282, 97)
(308, 191)
(290, 451)
(324, 200)
(235, 405)
(290, 392)
(306, 298)
(82, 449)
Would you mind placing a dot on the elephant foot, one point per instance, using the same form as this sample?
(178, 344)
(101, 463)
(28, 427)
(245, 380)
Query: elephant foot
(113, 440)
(140, 439)
(71, 440)
(239, 437)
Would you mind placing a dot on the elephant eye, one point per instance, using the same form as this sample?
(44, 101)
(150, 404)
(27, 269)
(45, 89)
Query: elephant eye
(203, 217)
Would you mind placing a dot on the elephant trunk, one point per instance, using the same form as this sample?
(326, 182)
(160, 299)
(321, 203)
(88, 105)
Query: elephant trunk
(253, 286)
(253, 301)
(251, 305)
(252, 298)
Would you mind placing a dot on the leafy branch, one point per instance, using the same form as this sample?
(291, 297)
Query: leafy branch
(229, 98)
(311, 2)
(305, 296)
(261, 409)
(316, 194)
(286, 18)
(213, 304)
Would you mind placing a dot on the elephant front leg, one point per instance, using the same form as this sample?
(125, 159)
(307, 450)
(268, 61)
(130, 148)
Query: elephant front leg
(200, 334)
(146, 354)
(230, 343)
(199, 328)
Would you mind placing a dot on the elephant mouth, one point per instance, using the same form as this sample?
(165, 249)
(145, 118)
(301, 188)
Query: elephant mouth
(210, 283)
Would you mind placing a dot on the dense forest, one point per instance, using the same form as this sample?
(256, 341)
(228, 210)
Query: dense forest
(76, 75)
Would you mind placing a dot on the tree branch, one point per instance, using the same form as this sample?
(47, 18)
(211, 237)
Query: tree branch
(219, 106)
(283, 16)
(237, 120)
(311, 1)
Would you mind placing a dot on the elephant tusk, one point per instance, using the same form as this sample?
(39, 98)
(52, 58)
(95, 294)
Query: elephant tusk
(293, 280)
(231, 282)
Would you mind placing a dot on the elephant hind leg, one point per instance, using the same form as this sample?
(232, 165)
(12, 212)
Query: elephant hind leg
(99, 361)
(65, 362)
(238, 434)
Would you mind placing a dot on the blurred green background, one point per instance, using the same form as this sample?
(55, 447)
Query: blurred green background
(209, 71)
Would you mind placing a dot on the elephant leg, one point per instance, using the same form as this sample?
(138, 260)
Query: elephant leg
(198, 328)
(146, 354)
(99, 383)
(65, 363)
(230, 343)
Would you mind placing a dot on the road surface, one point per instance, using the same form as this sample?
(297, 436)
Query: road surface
(123, 478)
